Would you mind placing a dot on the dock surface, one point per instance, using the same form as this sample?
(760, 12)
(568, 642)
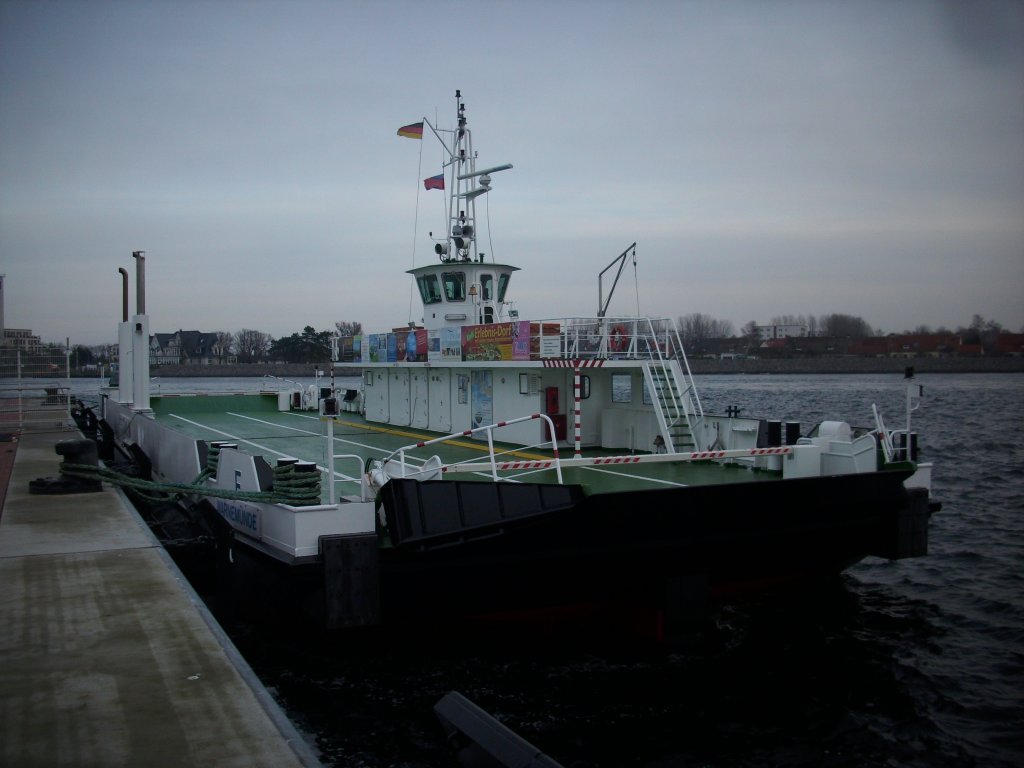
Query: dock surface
(107, 657)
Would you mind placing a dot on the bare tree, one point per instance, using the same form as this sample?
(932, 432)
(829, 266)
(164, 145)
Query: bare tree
(845, 326)
(789, 320)
(981, 331)
(698, 327)
(225, 342)
(252, 346)
(348, 328)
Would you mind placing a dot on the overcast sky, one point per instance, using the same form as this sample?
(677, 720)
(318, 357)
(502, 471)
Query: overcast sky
(768, 158)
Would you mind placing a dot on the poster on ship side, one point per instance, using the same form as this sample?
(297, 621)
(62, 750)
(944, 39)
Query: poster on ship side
(496, 341)
(482, 394)
(434, 345)
(451, 344)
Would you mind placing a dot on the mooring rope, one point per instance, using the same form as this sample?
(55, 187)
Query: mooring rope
(290, 486)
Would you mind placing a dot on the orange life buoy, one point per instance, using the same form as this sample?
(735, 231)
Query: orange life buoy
(618, 339)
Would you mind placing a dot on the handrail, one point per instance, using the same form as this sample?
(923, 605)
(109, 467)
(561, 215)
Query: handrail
(25, 407)
(489, 429)
(652, 458)
(363, 496)
(330, 456)
(281, 378)
(887, 447)
(586, 337)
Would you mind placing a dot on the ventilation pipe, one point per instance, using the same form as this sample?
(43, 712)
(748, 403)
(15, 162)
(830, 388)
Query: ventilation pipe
(140, 281)
(125, 368)
(140, 338)
(124, 294)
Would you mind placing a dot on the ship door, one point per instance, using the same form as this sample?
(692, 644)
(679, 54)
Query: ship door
(439, 400)
(398, 398)
(551, 400)
(487, 297)
(419, 398)
(375, 395)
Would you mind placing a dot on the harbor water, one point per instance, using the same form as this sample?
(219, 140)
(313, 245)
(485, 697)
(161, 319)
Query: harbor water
(912, 663)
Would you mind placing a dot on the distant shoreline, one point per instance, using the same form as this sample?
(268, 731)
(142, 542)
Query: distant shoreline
(836, 365)
(821, 365)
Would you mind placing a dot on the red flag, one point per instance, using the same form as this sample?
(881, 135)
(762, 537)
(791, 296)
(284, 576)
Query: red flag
(434, 182)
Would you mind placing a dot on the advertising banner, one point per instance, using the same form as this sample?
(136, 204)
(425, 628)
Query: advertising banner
(497, 341)
(451, 344)
(434, 346)
(376, 350)
(416, 345)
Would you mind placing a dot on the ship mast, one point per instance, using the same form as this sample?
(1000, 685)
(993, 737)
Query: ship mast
(465, 185)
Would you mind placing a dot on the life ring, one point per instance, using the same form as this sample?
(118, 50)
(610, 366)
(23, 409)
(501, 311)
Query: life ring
(618, 340)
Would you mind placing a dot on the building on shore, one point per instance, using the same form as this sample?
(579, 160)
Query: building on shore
(21, 339)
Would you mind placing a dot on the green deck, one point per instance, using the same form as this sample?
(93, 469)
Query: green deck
(256, 425)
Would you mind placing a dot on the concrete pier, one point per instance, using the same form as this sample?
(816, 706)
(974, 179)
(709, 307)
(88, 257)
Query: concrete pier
(107, 656)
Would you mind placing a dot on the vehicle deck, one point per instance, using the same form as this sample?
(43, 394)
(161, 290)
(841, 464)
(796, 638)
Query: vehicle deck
(257, 426)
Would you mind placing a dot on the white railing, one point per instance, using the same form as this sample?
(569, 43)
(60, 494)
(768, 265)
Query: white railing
(627, 338)
(332, 458)
(35, 408)
(887, 446)
(35, 390)
(358, 476)
(489, 430)
(653, 340)
(616, 338)
(496, 463)
(602, 461)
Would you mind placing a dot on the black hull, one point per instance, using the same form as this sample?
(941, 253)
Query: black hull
(654, 548)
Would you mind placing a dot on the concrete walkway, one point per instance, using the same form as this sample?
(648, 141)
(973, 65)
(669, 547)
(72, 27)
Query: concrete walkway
(107, 657)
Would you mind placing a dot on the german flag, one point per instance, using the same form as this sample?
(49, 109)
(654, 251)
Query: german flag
(411, 131)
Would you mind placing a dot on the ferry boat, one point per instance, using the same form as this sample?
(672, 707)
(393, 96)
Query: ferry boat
(487, 462)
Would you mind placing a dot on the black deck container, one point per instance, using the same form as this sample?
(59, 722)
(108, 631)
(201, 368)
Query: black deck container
(461, 509)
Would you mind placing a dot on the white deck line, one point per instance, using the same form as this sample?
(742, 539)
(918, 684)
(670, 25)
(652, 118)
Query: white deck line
(636, 477)
(364, 445)
(315, 434)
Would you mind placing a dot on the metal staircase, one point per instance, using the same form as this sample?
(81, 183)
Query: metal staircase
(675, 402)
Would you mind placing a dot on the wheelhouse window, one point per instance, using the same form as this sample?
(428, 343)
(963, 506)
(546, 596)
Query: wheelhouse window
(430, 291)
(622, 388)
(503, 279)
(487, 287)
(454, 286)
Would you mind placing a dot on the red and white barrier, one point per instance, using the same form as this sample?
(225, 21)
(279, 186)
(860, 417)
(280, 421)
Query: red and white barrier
(600, 461)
